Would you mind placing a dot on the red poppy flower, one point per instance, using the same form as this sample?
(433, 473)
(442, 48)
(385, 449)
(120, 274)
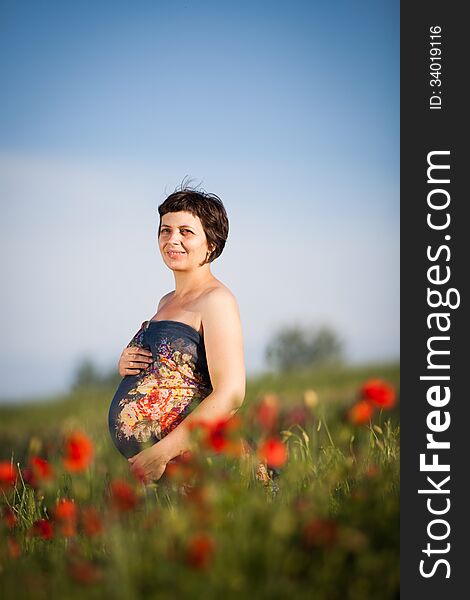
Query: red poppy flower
(320, 532)
(65, 510)
(274, 452)
(267, 412)
(123, 495)
(378, 392)
(360, 413)
(177, 470)
(9, 517)
(91, 521)
(198, 496)
(357, 495)
(84, 571)
(68, 528)
(7, 474)
(14, 549)
(302, 504)
(172, 469)
(29, 477)
(216, 439)
(297, 415)
(372, 471)
(41, 468)
(79, 451)
(200, 550)
(219, 435)
(42, 528)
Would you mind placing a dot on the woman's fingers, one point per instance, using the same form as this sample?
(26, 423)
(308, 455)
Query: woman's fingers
(139, 361)
(139, 355)
(133, 360)
(137, 364)
(131, 371)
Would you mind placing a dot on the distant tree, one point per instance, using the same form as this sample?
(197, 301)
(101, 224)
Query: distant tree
(86, 375)
(295, 347)
(111, 378)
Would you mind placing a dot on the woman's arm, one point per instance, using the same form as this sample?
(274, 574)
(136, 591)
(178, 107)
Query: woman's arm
(225, 360)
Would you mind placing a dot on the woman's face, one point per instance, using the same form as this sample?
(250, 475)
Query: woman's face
(182, 241)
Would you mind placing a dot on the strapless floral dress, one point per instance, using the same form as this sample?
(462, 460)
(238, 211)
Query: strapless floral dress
(147, 406)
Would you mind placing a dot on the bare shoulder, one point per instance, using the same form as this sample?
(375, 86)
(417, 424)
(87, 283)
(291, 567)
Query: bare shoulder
(218, 300)
(164, 299)
(218, 294)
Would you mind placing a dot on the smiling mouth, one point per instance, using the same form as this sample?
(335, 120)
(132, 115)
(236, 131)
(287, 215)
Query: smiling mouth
(173, 253)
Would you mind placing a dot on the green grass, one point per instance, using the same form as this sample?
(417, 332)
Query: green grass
(327, 527)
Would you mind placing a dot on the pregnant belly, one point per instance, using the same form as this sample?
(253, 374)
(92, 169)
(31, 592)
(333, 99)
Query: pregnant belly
(143, 412)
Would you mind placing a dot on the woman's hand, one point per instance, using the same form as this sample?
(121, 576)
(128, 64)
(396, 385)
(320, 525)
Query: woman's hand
(150, 464)
(133, 360)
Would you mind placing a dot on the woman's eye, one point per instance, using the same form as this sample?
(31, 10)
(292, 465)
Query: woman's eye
(166, 230)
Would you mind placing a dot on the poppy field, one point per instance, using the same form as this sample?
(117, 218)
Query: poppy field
(298, 493)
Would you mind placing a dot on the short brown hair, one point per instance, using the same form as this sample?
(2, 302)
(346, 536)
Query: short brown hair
(209, 209)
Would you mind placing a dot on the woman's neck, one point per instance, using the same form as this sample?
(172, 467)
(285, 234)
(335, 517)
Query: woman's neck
(187, 282)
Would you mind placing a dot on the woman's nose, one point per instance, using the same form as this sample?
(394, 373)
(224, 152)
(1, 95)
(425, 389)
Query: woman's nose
(175, 237)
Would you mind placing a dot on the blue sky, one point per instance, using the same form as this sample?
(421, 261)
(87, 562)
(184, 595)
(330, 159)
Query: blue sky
(289, 111)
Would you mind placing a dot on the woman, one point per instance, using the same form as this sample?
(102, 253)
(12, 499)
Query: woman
(186, 363)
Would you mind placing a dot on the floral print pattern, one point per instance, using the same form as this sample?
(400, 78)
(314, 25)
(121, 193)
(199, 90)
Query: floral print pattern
(167, 390)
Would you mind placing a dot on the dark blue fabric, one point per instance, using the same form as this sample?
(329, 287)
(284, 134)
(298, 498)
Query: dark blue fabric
(176, 382)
